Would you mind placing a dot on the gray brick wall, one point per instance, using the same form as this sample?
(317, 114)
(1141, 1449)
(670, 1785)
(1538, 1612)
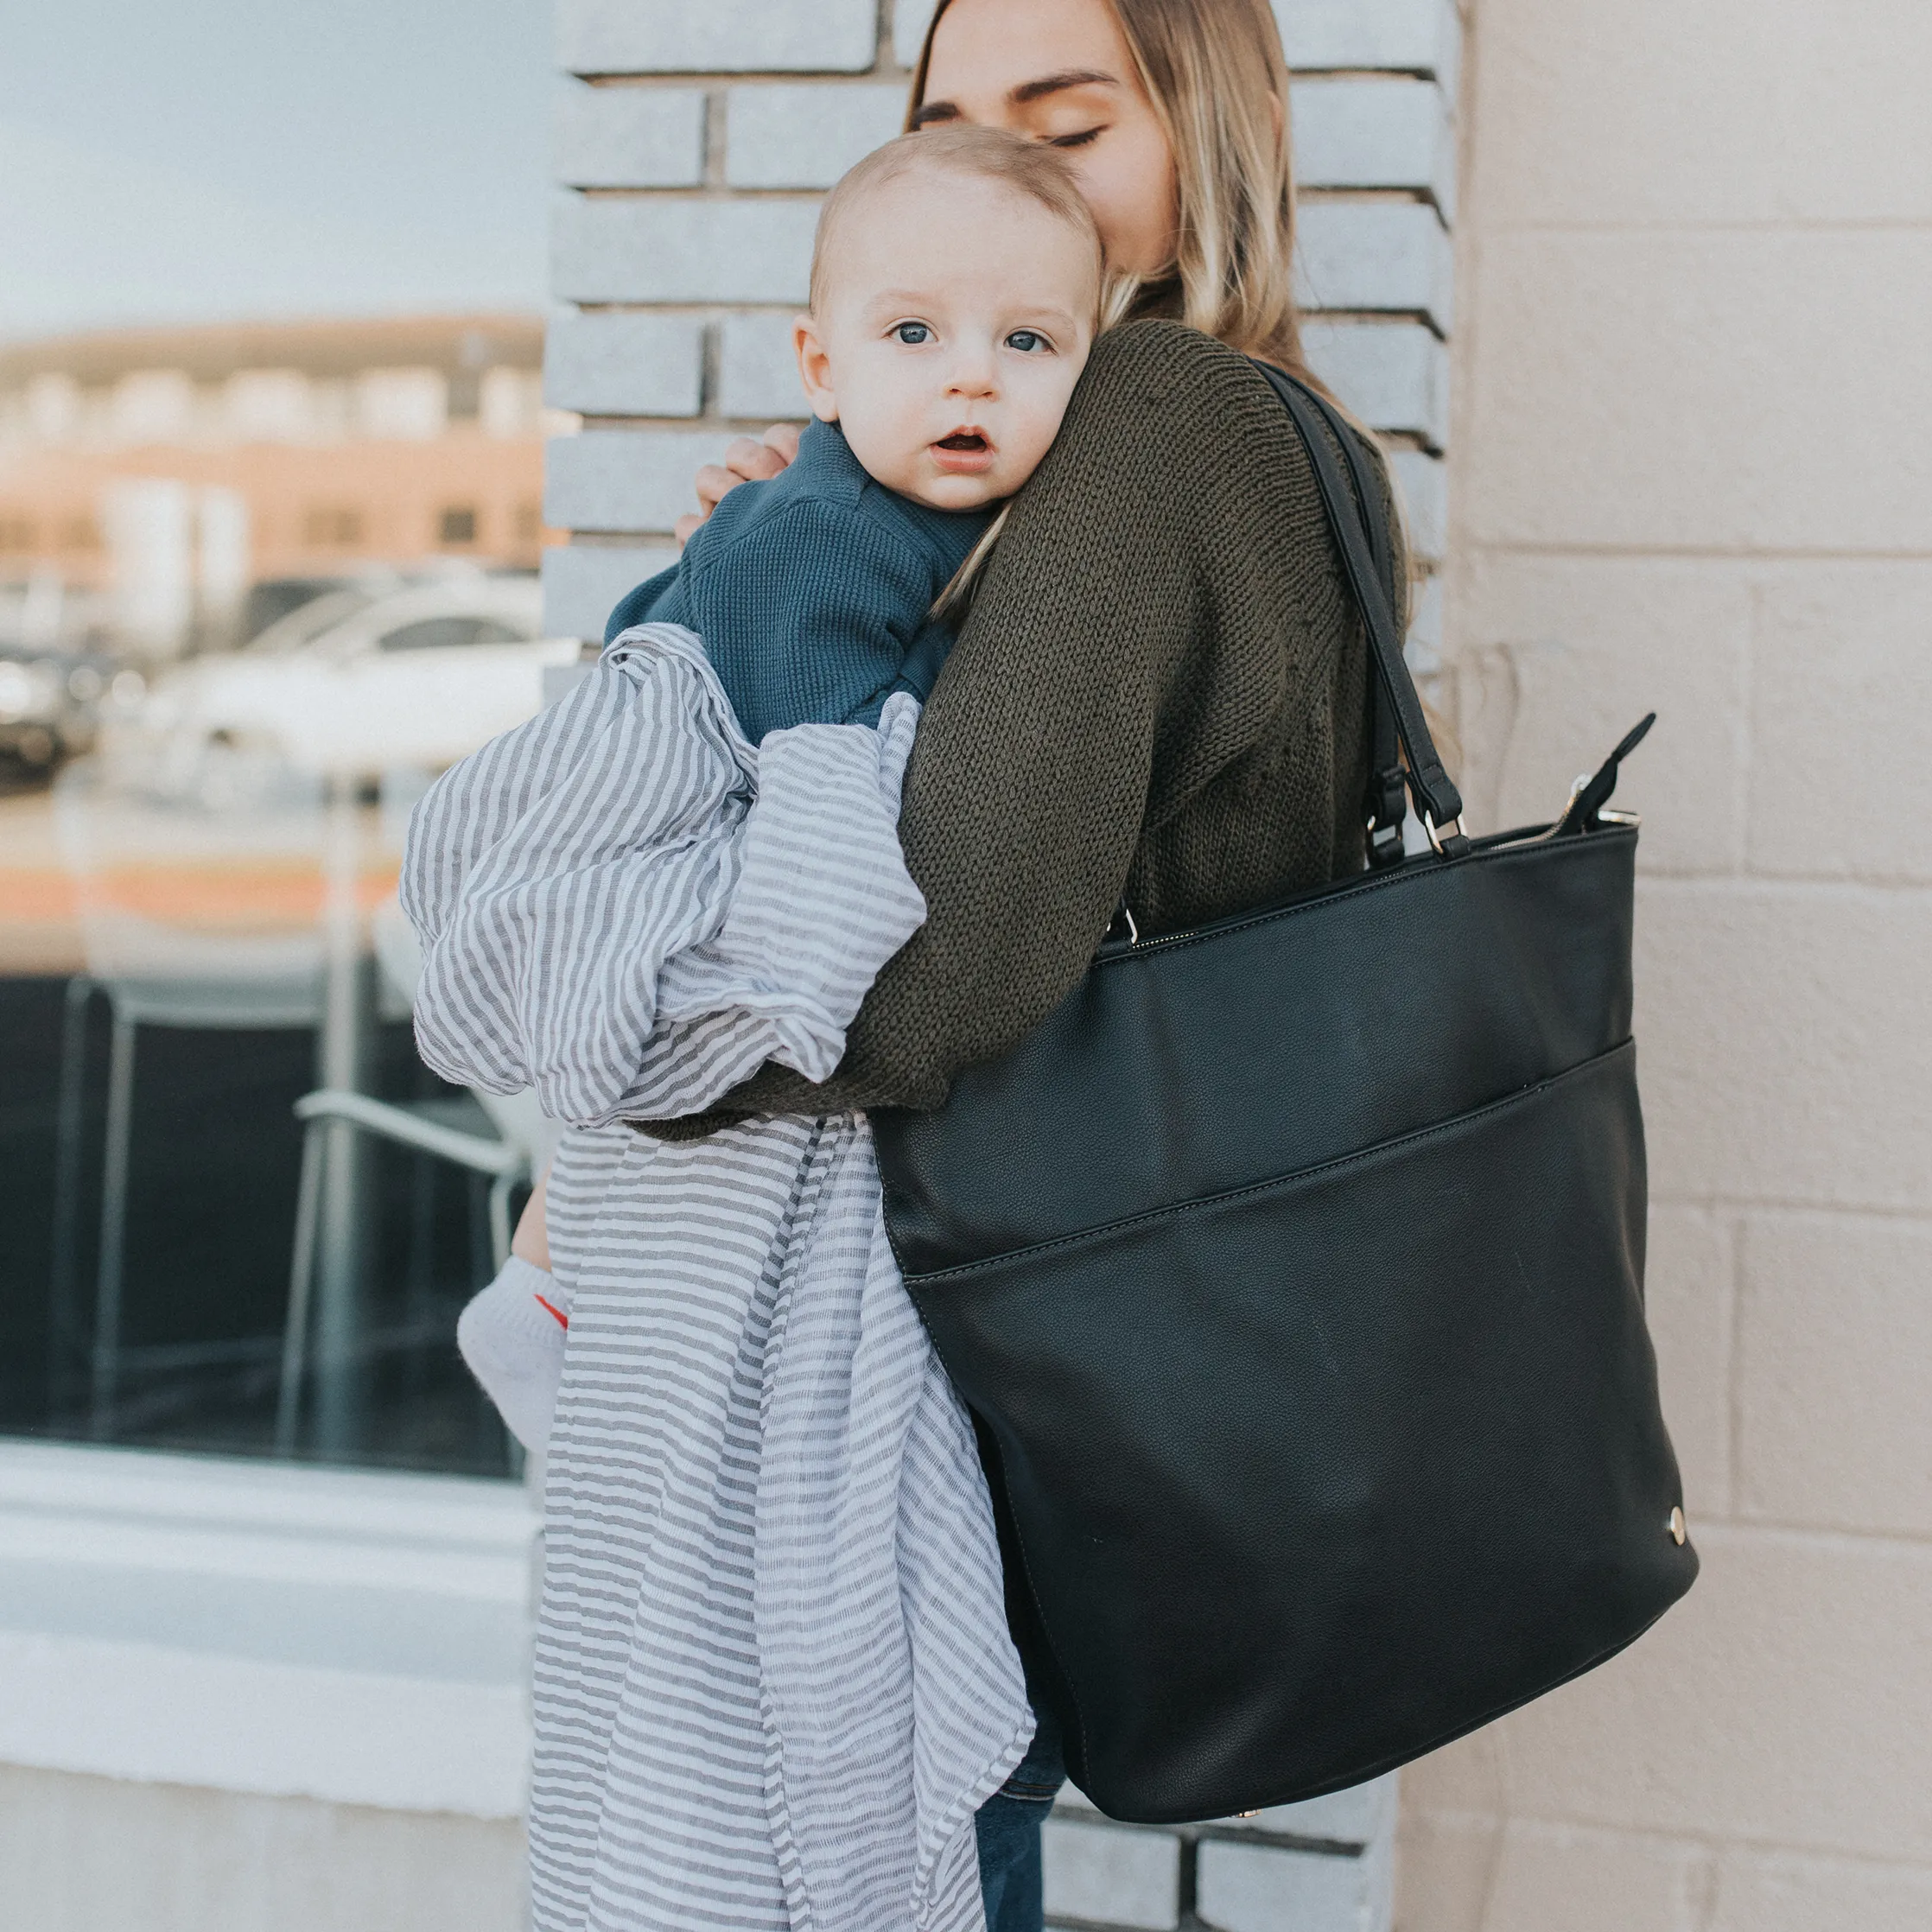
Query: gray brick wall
(692, 146)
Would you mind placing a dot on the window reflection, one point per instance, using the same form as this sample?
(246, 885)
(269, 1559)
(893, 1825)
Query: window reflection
(241, 1215)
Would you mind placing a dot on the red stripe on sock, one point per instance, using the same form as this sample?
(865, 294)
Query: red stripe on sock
(563, 1320)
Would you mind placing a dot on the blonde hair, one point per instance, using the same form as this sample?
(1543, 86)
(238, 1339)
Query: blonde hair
(1217, 79)
(969, 153)
(1219, 82)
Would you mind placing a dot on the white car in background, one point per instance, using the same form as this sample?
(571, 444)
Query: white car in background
(359, 681)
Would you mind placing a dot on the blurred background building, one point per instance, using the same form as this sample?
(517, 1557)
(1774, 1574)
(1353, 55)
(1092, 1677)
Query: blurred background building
(151, 479)
(1634, 296)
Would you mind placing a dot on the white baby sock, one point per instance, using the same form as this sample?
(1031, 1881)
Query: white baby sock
(512, 1335)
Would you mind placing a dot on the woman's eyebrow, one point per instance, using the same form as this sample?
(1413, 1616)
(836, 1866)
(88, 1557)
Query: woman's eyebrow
(1058, 83)
(1026, 93)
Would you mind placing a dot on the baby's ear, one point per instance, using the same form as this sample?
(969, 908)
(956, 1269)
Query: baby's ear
(814, 369)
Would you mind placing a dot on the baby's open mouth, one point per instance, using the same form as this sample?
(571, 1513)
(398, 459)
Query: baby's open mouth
(965, 453)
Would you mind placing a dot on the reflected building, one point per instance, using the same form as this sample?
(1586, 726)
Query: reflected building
(156, 485)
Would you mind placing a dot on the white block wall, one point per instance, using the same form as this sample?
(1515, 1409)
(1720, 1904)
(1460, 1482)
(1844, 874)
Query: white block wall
(692, 144)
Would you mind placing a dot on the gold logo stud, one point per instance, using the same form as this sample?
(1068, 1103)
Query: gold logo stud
(1678, 1529)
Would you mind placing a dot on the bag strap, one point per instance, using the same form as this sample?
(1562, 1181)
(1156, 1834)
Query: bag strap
(1385, 802)
(1399, 708)
(1385, 805)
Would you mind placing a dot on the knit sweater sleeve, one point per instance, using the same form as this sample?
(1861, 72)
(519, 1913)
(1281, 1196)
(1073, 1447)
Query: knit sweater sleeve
(1031, 774)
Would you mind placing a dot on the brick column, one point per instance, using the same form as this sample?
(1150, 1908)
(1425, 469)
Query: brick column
(693, 145)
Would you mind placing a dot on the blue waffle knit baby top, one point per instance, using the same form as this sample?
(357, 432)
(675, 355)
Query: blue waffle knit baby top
(812, 591)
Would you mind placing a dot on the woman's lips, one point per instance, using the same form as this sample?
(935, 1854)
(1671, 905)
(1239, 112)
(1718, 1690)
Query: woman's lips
(965, 453)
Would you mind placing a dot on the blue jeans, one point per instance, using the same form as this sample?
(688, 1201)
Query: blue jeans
(1012, 1876)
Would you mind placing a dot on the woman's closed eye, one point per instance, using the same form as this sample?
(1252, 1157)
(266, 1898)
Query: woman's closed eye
(1078, 140)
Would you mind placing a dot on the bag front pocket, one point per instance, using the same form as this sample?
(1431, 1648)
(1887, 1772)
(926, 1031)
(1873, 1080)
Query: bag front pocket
(1256, 1448)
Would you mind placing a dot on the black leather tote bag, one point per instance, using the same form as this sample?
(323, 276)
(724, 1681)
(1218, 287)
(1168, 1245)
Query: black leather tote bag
(1293, 1272)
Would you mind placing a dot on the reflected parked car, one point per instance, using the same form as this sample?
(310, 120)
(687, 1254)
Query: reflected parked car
(356, 681)
(51, 702)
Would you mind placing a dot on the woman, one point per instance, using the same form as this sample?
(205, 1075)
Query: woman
(1159, 698)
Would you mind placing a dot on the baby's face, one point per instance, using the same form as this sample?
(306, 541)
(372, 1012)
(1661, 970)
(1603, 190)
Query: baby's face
(957, 319)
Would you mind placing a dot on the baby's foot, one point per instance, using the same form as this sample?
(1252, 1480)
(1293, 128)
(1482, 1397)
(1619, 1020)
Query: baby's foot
(512, 1335)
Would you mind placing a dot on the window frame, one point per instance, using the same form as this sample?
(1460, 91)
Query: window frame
(358, 1637)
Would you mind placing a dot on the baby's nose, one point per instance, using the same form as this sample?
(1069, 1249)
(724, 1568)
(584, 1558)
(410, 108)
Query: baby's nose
(972, 375)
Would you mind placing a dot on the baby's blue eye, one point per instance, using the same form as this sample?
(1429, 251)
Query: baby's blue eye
(1028, 340)
(911, 333)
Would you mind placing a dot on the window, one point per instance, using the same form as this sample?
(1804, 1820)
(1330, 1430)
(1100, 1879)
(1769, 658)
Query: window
(442, 633)
(511, 402)
(150, 406)
(198, 924)
(332, 527)
(268, 405)
(172, 982)
(402, 405)
(54, 407)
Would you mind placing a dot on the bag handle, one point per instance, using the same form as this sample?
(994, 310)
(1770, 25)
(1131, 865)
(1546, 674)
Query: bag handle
(1437, 800)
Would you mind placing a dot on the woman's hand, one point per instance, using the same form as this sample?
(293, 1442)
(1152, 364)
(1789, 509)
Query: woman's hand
(746, 461)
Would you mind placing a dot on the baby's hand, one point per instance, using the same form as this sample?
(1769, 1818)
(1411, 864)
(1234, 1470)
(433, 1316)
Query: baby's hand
(531, 1242)
(746, 461)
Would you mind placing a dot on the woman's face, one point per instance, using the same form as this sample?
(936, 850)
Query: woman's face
(1058, 70)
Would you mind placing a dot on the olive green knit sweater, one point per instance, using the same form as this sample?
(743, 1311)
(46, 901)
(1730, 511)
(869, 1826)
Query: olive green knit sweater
(1159, 696)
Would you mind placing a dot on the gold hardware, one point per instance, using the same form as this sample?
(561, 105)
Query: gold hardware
(1604, 816)
(1133, 931)
(1678, 1531)
(1247, 1815)
(1555, 825)
(1453, 829)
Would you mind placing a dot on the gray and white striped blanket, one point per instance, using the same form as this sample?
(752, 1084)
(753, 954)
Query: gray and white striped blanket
(773, 1682)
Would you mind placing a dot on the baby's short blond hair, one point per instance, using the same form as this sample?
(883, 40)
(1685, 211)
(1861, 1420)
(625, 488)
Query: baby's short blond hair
(1009, 161)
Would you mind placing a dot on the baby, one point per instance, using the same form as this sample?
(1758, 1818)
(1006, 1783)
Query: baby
(955, 292)
(956, 286)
